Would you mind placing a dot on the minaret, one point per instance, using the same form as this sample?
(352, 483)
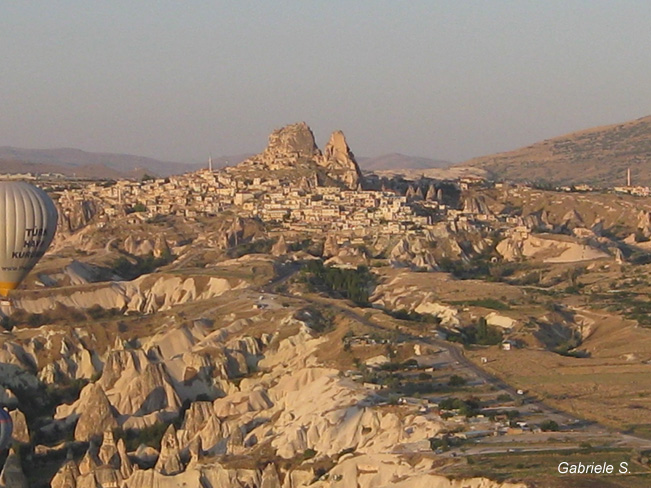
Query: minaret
(628, 177)
(210, 163)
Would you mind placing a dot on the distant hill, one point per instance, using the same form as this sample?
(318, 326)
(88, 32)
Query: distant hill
(395, 161)
(82, 171)
(70, 162)
(599, 156)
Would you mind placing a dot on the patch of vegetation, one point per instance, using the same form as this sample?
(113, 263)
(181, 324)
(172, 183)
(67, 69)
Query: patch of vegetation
(640, 258)
(96, 312)
(491, 303)
(456, 381)
(352, 284)
(149, 436)
(139, 207)
(259, 246)
(468, 407)
(568, 347)
(318, 321)
(309, 453)
(479, 266)
(60, 313)
(65, 392)
(482, 334)
(130, 270)
(549, 426)
(442, 443)
(413, 316)
(510, 414)
(466, 270)
(302, 245)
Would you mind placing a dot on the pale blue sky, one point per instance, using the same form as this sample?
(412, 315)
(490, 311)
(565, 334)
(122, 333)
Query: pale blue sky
(178, 80)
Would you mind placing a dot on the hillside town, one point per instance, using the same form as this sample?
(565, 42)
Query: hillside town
(291, 185)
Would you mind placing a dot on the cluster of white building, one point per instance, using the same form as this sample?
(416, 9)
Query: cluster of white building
(270, 199)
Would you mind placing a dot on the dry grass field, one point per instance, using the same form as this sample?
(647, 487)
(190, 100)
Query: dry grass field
(598, 156)
(612, 386)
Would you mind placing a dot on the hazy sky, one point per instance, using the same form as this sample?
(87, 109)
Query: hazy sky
(178, 80)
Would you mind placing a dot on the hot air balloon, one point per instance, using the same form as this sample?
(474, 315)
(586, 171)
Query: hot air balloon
(28, 221)
(6, 429)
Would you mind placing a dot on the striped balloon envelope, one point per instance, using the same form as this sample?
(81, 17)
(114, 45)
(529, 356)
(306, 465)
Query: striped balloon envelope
(28, 221)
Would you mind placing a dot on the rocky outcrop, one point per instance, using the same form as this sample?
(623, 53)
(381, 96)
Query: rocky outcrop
(76, 214)
(571, 220)
(270, 477)
(67, 475)
(169, 462)
(548, 249)
(96, 413)
(476, 205)
(76, 362)
(90, 462)
(151, 391)
(161, 247)
(138, 247)
(292, 405)
(292, 142)
(331, 246)
(147, 294)
(412, 253)
(339, 161)
(12, 475)
(280, 247)
(644, 223)
(20, 431)
(108, 451)
(293, 149)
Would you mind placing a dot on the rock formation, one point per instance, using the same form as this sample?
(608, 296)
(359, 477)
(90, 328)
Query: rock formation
(476, 205)
(291, 143)
(412, 253)
(644, 223)
(12, 475)
(169, 461)
(96, 413)
(108, 451)
(270, 477)
(280, 247)
(331, 246)
(21, 431)
(75, 214)
(339, 161)
(67, 475)
(293, 148)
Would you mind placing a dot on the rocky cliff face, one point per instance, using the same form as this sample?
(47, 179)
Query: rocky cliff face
(295, 405)
(339, 161)
(291, 143)
(147, 294)
(293, 149)
(75, 214)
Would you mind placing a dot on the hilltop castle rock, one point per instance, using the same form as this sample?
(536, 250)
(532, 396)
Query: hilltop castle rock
(291, 142)
(293, 148)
